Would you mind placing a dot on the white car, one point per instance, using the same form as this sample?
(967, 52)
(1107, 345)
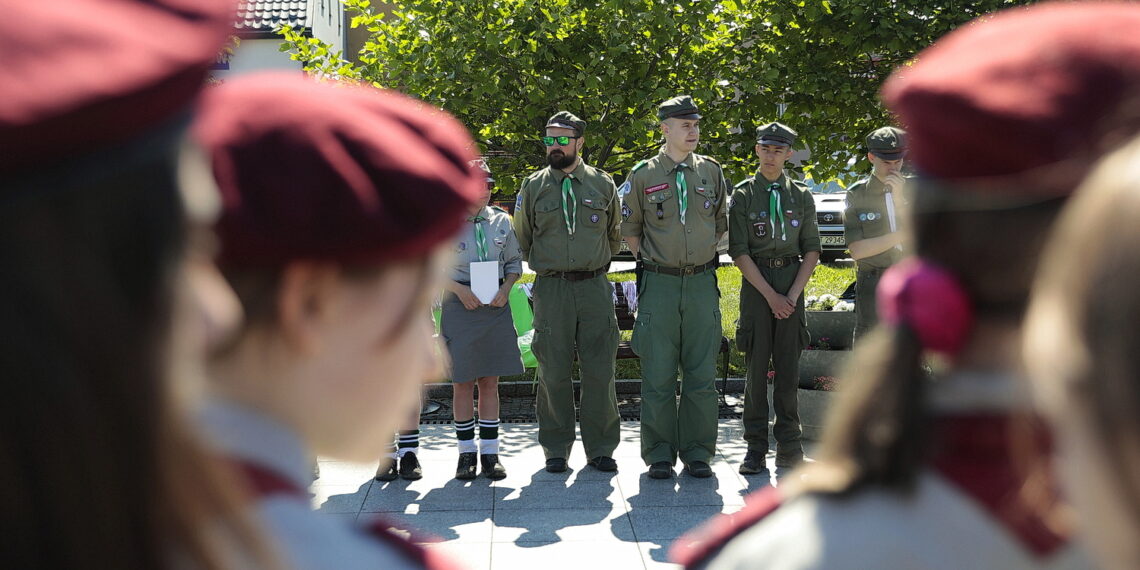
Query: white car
(830, 201)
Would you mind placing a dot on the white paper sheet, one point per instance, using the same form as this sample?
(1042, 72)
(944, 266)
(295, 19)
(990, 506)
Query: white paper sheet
(485, 280)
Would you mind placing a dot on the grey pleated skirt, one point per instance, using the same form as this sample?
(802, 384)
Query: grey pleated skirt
(481, 343)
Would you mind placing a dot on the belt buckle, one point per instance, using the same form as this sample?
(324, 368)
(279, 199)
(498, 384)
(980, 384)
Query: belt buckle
(687, 270)
(778, 262)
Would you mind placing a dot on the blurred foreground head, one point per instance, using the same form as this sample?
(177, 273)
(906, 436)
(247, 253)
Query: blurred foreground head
(1004, 117)
(1081, 347)
(338, 200)
(96, 98)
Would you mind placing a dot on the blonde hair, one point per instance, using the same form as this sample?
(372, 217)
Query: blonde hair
(1082, 346)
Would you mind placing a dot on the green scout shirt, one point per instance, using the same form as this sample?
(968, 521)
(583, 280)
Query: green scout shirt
(652, 209)
(866, 217)
(540, 227)
(501, 245)
(751, 230)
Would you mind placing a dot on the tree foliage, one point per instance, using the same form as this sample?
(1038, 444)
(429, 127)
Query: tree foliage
(504, 66)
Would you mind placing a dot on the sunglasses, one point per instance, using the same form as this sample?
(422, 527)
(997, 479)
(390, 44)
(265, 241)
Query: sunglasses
(563, 141)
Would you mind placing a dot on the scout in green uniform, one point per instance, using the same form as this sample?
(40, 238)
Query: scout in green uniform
(674, 210)
(774, 239)
(871, 220)
(566, 220)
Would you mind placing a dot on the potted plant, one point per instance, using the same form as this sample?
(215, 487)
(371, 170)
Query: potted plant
(814, 404)
(831, 317)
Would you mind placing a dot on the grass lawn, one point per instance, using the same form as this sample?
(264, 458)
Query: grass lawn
(832, 279)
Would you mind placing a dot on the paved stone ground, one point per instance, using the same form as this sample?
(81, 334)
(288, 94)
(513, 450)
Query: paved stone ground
(580, 519)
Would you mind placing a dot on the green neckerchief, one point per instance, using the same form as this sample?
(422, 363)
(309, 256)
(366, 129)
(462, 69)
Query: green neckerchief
(776, 211)
(480, 238)
(569, 205)
(683, 190)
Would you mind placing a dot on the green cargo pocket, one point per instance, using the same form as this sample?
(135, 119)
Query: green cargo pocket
(743, 337)
(539, 341)
(639, 332)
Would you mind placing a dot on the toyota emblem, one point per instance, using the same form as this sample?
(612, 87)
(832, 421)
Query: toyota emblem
(828, 217)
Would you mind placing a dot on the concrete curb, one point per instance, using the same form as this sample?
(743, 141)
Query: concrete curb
(628, 386)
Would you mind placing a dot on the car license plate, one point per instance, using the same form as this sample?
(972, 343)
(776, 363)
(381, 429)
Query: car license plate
(831, 240)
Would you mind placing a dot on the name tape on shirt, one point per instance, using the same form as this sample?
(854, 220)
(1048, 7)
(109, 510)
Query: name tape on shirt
(657, 188)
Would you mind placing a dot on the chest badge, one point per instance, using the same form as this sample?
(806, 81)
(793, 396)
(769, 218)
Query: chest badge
(795, 223)
(708, 204)
(760, 229)
(462, 246)
(657, 188)
(594, 218)
(625, 211)
(764, 214)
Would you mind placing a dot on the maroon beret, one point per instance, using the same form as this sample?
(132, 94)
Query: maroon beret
(1022, 90)
(84, 74)
(337, 172)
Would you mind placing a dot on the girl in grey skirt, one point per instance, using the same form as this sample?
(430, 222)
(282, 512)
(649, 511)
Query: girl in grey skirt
(481, 338)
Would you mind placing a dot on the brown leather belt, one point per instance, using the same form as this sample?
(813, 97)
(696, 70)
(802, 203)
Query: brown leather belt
(679, 271)
(776, 262)
(579, 275)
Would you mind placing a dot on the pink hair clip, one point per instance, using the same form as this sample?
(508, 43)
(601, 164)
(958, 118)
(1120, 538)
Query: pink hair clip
(930, 301)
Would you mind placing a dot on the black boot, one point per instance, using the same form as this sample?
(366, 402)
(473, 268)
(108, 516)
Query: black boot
(492, 469)
(466, 469)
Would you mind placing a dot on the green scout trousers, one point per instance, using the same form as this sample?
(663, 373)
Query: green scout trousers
(569, 314)
(678, 327)
(866, 307)
(764, 338)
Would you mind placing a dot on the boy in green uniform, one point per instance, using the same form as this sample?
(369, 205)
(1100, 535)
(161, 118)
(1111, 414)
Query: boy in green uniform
(674, 210)
(774, 239)
(566, 220)
(871, 220)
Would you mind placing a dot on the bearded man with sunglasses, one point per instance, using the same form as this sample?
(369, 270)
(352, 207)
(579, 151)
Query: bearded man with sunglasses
(566, 219)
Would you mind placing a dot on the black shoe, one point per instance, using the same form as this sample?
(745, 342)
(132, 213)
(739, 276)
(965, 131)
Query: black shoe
(698, 469)
(492, 469)
(466, 469)
(789, 460)
(603, 463)
(753, 463)
(410, 467)
(556, 464)
(389, 474)
(661, 470)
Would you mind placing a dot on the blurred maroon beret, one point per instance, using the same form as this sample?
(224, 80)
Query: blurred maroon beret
(1023, 89)
(346, 173)
(84, 74)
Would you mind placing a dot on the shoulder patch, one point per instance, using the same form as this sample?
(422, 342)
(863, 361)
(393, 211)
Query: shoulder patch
(518, 202)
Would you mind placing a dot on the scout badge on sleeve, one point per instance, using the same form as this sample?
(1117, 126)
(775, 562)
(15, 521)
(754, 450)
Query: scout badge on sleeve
(623, 189)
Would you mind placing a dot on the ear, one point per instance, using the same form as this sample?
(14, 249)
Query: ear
(757, 150)
(870, 158)
(581, 143)
(305, 299)
(664, 128)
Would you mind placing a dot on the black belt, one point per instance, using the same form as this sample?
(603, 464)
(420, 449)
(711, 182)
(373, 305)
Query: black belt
(776, 262)
(579, 275)
(468, 283)
(679, 271)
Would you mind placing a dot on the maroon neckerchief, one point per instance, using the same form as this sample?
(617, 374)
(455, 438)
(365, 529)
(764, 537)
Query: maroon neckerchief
(974, 452)
(978, 453)
(699, 544)
(266, 483)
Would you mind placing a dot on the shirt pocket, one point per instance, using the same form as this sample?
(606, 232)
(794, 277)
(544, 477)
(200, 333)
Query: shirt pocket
(705, 202)
(660, 207)
(873, 221)
(594, 208)
(548, 214)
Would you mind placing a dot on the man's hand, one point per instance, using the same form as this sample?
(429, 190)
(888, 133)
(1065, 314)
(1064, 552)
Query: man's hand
(469, 300)
(501, 296)
(782, 306)
(894, 182)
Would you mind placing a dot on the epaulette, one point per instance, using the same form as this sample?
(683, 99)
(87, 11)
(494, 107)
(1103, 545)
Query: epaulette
(710, 159)
(499, 208)
(638, 166)
(744, 182)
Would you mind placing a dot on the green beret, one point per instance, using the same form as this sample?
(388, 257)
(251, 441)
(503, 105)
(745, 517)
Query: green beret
(887, 143)
(567, 120)
(679, 107)
(775, 133)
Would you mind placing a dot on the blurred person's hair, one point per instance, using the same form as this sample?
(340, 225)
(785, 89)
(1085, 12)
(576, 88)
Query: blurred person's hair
(878, 433)
(99, 464)
(1082, 348)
